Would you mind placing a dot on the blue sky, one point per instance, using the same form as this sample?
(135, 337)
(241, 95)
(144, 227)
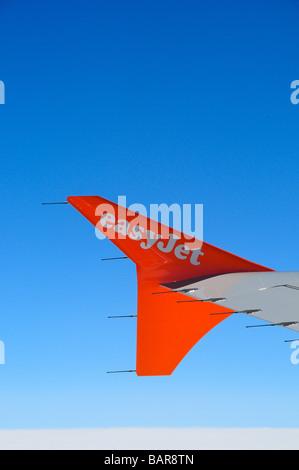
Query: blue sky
(161, 101)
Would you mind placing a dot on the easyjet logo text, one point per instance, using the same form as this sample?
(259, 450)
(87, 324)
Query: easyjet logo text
(137, 230)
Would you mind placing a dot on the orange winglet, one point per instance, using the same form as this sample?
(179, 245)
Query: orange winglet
(166, 330)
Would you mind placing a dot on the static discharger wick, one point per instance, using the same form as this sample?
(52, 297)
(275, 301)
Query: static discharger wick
(53, 203)
(120, 371)
(181, 291)
(212, 299)
(123, 316)
(247, 312)
(285, 324)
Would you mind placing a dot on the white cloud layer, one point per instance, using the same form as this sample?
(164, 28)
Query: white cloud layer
(150, 439)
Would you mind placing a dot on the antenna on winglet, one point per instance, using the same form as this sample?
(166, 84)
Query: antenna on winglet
(112, 259)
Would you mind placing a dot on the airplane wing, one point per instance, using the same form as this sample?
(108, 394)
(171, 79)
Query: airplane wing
(185, 286)
(269, 296)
